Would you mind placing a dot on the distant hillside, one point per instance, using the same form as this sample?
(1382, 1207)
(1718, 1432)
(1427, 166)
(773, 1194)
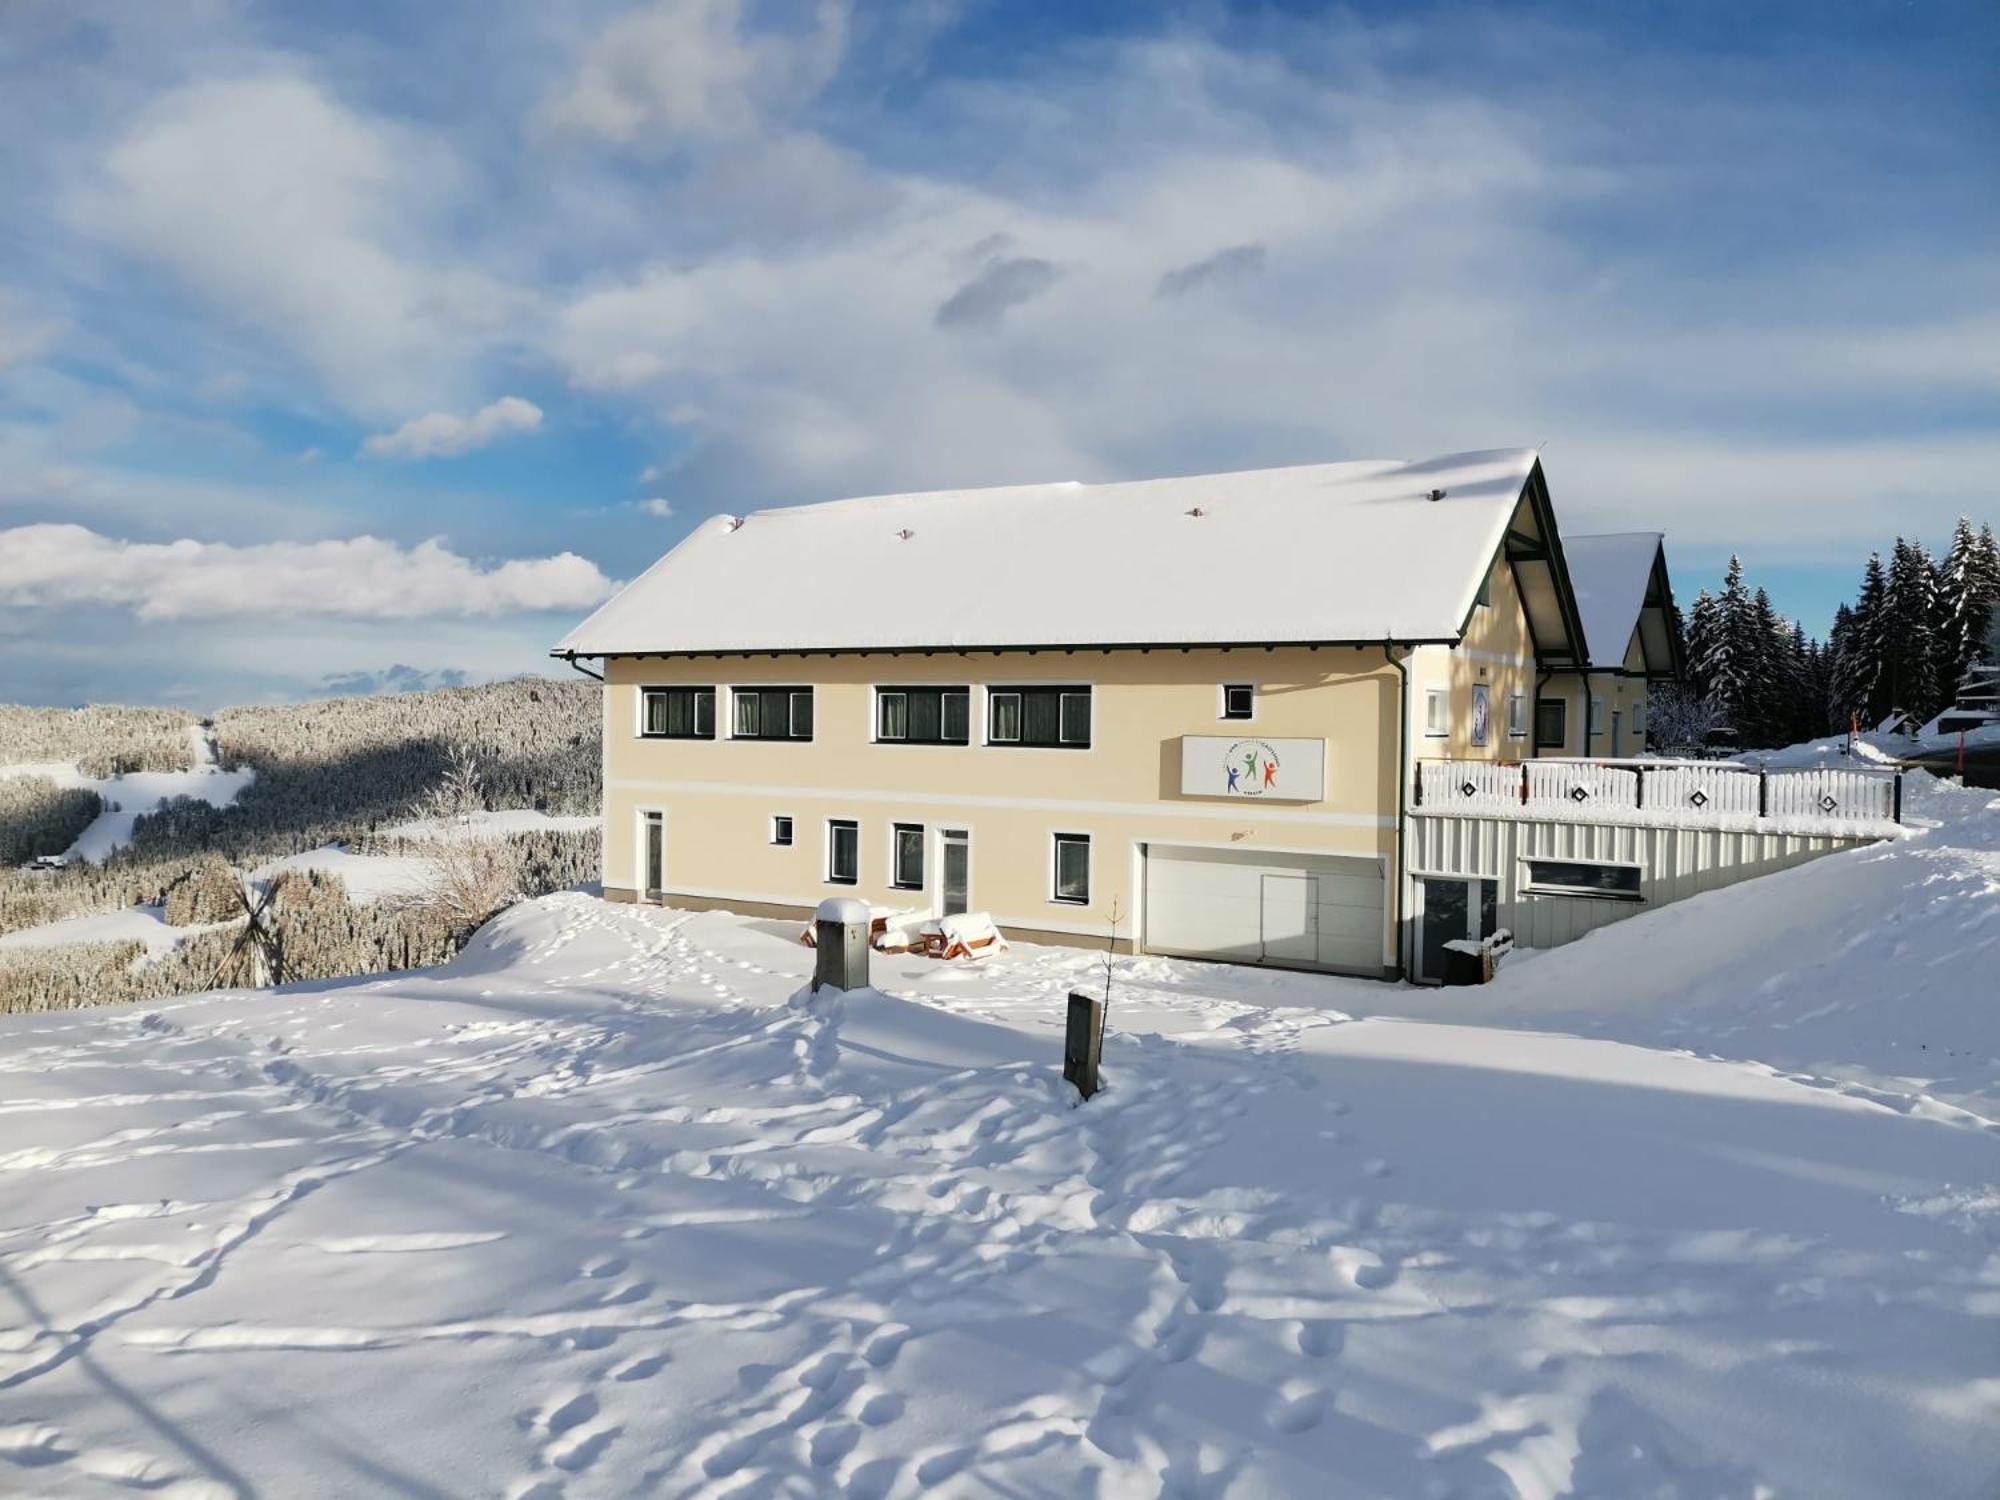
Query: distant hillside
(102, 740)
(334, 771)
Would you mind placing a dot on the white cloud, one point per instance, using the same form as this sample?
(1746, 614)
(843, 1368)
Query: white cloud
(308, 222)
(657, 507)
(364, 577)
(681, 69)
(441, 434)
(24, 334)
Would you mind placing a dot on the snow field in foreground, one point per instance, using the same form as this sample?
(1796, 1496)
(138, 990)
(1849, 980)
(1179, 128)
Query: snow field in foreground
(604, 1208)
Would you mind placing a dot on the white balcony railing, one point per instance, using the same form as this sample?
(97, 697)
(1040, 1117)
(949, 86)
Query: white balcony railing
(1702, 793)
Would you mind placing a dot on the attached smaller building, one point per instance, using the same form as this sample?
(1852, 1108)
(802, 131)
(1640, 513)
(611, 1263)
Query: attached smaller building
(1633, 639)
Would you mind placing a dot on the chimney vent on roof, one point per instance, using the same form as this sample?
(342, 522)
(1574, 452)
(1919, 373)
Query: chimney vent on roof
(1437, 495)
(905, 534)
(1197, 512)
(736, 523)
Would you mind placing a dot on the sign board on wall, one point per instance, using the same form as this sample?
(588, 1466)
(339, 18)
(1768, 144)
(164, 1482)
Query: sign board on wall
(1249, 766)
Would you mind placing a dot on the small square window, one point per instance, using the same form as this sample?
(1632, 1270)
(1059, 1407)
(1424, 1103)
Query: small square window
(907, 857)
(1238, 700)
(781, 829)
(1437, 713)
(1072, 882)
(843, 852)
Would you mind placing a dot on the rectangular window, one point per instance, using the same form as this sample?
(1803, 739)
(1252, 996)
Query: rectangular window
(1239, 699)
(773, 713)
(1437, 713)
(924, 715)
(1562, 877)
(843, 851)
(1639, 717)
(678, 713)
(781, 829)
(1517, 716)
(906, 857)
(1049, 717)
(1073, 868)
(1551, 722)
(1597, 716)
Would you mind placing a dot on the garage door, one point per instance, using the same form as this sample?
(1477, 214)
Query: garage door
(1300, 911)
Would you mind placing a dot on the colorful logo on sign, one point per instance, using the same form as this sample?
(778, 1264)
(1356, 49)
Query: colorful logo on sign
(1252, 768)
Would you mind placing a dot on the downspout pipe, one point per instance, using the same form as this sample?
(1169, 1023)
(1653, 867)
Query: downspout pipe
(571, 659)
(1401, 664)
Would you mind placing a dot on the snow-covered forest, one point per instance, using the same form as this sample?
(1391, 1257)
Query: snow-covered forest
(1914, 626)
(330, 774)
(101, 740)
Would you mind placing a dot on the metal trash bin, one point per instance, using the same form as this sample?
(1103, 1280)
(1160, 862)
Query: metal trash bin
(840, 937)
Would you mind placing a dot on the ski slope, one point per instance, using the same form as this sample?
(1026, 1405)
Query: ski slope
(608, 1208)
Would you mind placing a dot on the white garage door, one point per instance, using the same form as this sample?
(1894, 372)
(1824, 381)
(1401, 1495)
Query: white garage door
(1302, 911)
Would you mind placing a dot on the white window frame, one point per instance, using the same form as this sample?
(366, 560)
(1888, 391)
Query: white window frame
(1063, 701)
(1056, 840)
(1437, 713)
(1596, 716)
(794, 689)
(896, 831)
(882, 698)
(852, 825)
(791, 830)
(1222, 710)
(1517, 716)
(697, 688)
(641, 817)
(993, 735)
(1530, 886)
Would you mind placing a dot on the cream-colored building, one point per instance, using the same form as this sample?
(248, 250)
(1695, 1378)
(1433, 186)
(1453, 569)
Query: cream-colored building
(1179, 714)
(1627, 604)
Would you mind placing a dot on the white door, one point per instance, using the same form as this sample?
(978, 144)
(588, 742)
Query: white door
(1299, 911)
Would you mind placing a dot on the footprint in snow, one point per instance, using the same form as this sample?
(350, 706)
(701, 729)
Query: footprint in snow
(1297, 1407)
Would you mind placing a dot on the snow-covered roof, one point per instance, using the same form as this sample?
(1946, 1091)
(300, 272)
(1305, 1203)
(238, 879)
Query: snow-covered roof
(1609, 573)
(1327, 552)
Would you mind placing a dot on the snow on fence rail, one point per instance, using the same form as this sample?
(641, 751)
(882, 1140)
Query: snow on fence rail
(1691, 791)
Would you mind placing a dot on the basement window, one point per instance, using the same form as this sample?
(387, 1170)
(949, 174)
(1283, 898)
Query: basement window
(781, 829)
(1570, 877)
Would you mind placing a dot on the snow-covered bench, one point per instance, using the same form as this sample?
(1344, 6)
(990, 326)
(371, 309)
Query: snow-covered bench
(881, 921)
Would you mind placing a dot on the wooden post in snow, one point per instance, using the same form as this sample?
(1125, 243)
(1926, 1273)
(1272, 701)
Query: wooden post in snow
(1083, 1040)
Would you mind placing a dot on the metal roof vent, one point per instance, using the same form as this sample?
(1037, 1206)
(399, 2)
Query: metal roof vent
(736, 523)
(1197, 512)
(905, 534)
(1437, 495)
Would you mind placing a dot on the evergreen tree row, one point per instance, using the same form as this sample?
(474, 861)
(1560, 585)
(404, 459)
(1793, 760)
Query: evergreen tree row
(1903, 644)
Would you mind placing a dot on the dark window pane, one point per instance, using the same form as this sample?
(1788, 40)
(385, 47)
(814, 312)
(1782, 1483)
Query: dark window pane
(704, 713)
(802, 713)
(958, 716)
(909, 856)
(1620, 881)
(1040, 718)
(925, 717)
(843, 862)
(1006, 727)
(1551, 715)
(1075, 711)
(1072, 867)
(894, 716)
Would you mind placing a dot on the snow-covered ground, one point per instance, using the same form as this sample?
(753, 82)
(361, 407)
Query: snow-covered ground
(507, 820)
(140, 924)
(605, 1209)
(368, 877)
(126, 798)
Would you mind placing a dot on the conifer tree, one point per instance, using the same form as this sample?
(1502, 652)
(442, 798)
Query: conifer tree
(1907, 637)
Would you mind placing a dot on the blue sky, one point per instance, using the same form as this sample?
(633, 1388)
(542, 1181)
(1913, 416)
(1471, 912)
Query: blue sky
(334, 339)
